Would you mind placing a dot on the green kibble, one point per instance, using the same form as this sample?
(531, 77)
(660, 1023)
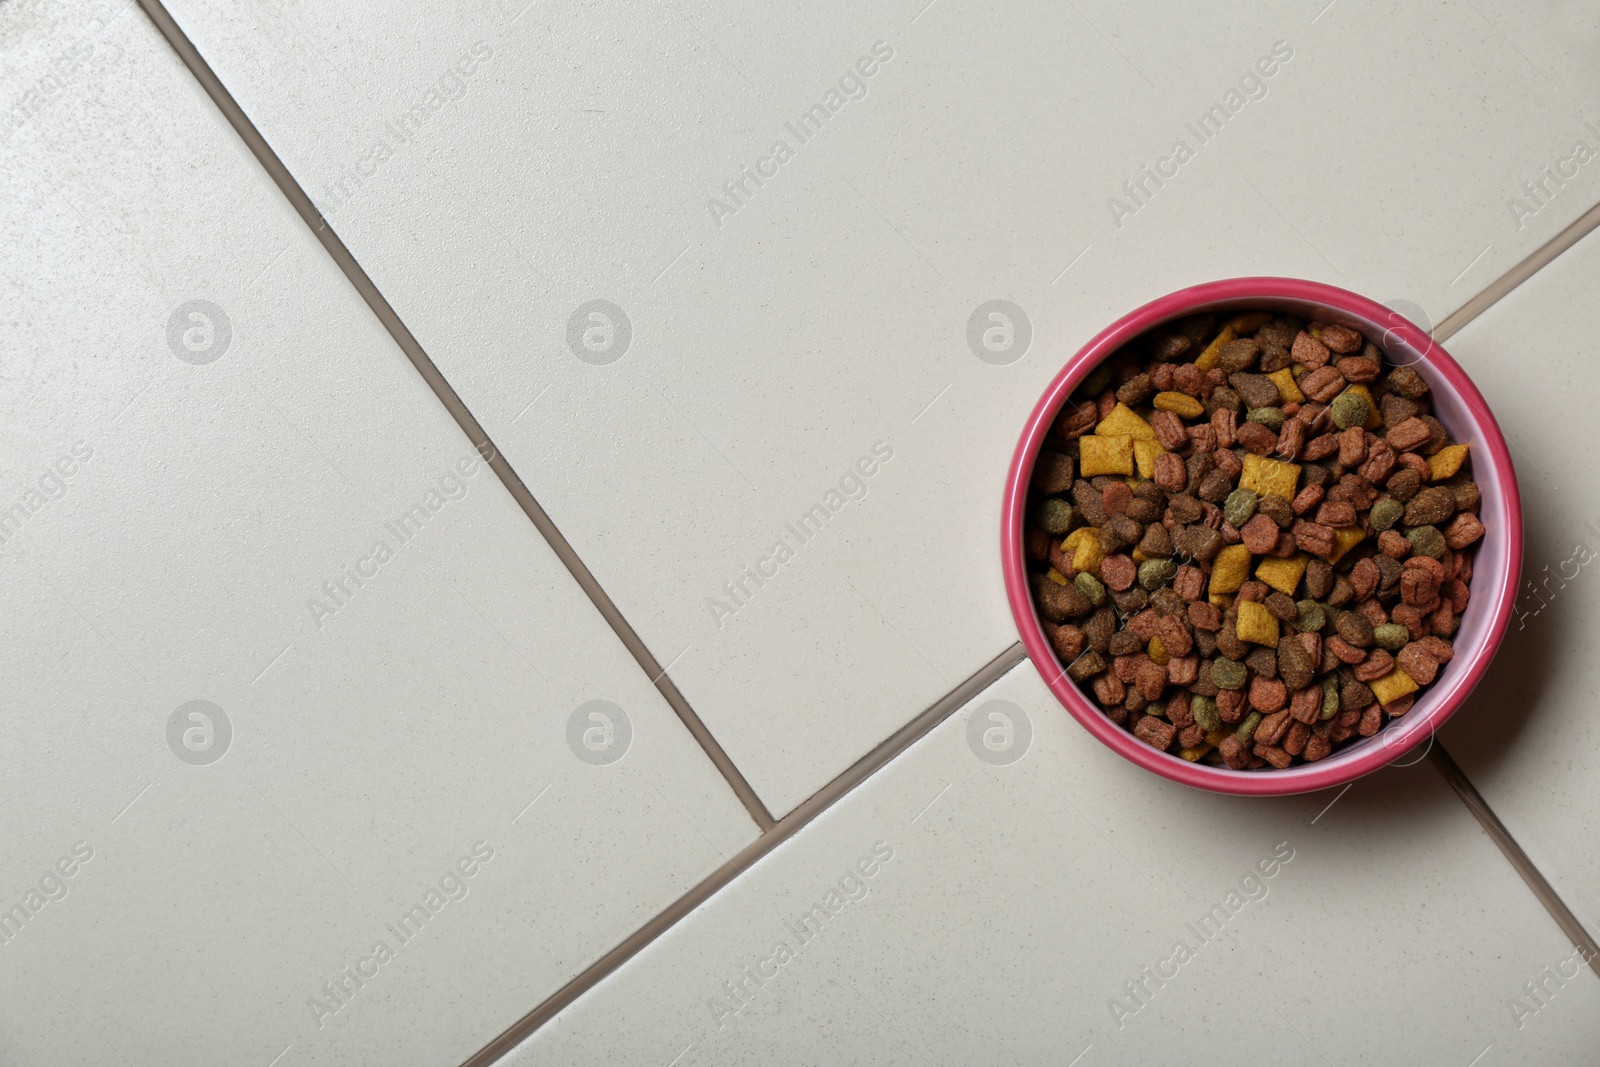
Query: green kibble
(1247, 729)
(1240, 505)
(1097, 380)
(1092, 588)
(1311, 618)
(1426, 541)
(1205, 713)
(1271, 418)
(1330, 697)
(1229, 673)
(1385, 513)
(1391, 636)
(1350, 409)
(1155, 573)
(1055, 516)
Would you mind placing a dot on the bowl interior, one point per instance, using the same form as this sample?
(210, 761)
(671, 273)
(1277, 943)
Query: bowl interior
(1496, 561)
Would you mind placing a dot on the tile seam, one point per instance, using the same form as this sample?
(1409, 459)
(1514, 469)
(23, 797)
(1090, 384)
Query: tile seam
(280, 175)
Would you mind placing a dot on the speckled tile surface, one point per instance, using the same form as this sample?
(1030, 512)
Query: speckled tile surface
(1067, 907)
(1528, 737)
(288, 675)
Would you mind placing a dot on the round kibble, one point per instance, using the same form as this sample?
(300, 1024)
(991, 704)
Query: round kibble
(1270, 417)
(1390, 636)
(1229, 674)
(1155, 573)
(1350, 409)
(1312, 616)
(1240, 505)
(1355, 628)
(1385, 513)
(1118, 572)
(1426, 541)
(1055, 516)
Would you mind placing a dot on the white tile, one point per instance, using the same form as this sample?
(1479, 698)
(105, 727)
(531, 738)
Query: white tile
(1020, 898)
(1528, 738)
(770, 349)
(166, 527)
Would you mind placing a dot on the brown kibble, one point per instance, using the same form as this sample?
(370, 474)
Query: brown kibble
(1364, 578)
(1170, 473)
(1322, 385)
(1419, 662)
(1183, 670)
(1260, 534)
(1358, 369)
(1295, 664)
(1318, 747)
(1232, 753)
(1274, 755)
(1205, 616)
(1272, 728)
(1309, 352)
(1119, 572)
(1340, 339)
(1430, 507)
(1256, 438)
(1295, 738)
(1108, 690)
(1068, 641)
(1371, 721)
(1153, 732)
(1393, 543)
(1464, 529)
(1305, 705)
(1377, 664)
(1314, 538)
(1408, 435)
(1336, 513)
(1345, 651)
(1268, 694)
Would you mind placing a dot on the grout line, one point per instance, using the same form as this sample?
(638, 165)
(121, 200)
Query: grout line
(786, 827)
(1570, 924)
(1531, 265)
(447, 396)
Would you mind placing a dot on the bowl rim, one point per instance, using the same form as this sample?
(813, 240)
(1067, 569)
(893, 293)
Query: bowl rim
(1398, 736)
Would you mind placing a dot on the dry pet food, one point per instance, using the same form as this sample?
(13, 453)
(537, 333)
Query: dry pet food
(1250, 540)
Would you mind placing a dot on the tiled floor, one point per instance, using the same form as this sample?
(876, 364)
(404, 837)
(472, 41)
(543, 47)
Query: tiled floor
(777, 362)
(1004, 910)
(349, 756)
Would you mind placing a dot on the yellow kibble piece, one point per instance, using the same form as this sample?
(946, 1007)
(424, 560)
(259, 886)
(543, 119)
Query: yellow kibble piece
(1139, 556)
(1208, 359)
(1256, 624)
(1056, 576)
(1447, 461)
(1344, 539)
(1219, 735)
(1392, 686)
(1124, 422)
(1144, 456)
(1269, 477)
(1287, 389)
(1105, 455)
(1084, 546)
(1158, 651)
(1374, 420)
(1193, 754)
(1230, 569)
(1247, 322)
(1283, 574)
(1221, 600)
(1181, 404)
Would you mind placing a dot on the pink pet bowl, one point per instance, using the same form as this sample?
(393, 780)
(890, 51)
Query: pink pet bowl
(1496, 564)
